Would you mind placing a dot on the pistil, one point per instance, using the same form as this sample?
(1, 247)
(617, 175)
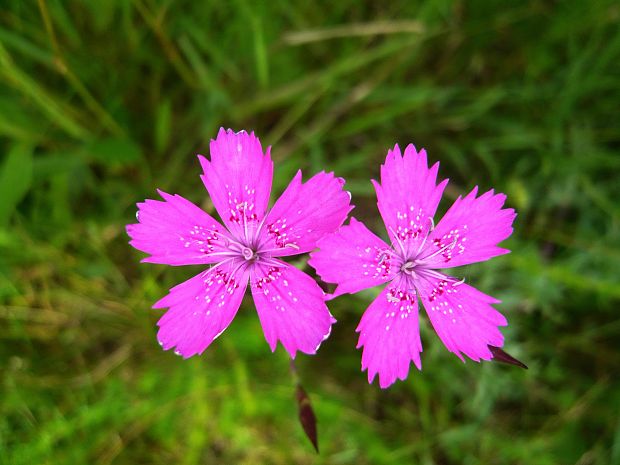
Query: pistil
(408, 268)
(248, 253)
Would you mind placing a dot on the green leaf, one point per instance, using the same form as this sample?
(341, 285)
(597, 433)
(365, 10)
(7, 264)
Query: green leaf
(15, 179)
(114, 151)
(162, 126)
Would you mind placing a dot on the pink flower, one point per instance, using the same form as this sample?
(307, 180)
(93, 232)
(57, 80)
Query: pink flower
(174, 231)
(469, 232)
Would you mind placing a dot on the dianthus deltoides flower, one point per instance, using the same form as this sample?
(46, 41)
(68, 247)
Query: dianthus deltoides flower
(469, 232)
(290, 304)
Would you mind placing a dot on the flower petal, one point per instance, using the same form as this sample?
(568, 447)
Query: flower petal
(291, 307)
(462, 316)
(176, 232)
(304, 213)
(354, 258)
(408, 196)
(390, 334)
(200, 309)
(238, 178)
(470, 231)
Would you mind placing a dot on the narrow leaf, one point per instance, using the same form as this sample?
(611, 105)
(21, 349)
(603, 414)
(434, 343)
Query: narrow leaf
(15, 179)
(500, 356)
(306, 416)
(114, 151)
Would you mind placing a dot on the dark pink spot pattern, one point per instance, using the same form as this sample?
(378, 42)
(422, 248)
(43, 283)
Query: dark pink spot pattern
(290, 304)
(355, 259)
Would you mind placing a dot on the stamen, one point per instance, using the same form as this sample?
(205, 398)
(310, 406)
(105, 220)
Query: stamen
(264, 251)
(386, 255)
(234, 272)
(271, 262)
(434, 274)
(400, 244)
(245, 221)
(426, 236)
(217, 233)
(217, 265)
(229, 243)
(222, 254)
(257, 234)
(458, 283)
(437, 252)
(280, 249)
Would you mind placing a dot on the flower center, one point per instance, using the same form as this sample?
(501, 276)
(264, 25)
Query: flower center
(408, 268)
(248, 253)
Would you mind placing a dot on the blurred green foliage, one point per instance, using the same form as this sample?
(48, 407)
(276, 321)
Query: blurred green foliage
(101, 102)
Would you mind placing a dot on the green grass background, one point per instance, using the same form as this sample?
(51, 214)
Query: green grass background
(102, 102)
